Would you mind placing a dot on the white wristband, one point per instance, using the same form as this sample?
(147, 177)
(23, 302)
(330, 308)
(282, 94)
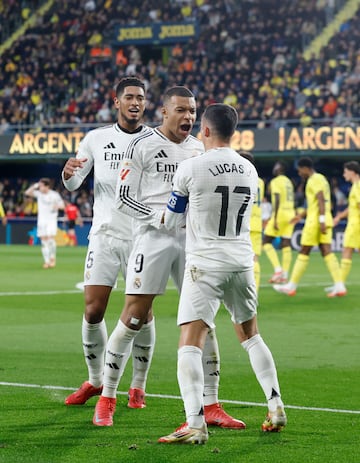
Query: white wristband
(321, 219)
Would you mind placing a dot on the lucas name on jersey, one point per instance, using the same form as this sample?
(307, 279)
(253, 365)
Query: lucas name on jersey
(226, 168)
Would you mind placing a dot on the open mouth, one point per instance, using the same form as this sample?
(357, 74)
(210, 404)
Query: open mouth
(185, 127)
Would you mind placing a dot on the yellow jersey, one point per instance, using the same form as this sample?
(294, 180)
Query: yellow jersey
(2, 212)
(314, 185)
(284, 187)
(256, 215)
(354, 201)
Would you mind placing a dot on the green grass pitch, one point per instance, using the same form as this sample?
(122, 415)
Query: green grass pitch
(314, 340)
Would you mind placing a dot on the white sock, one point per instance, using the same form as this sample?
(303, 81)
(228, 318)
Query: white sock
(94, 337)
(142, 353)
(211, 366)
(262, 363)
(117, 354)
(45, 251)
(340, 287)
(52, 248)
(191, 382)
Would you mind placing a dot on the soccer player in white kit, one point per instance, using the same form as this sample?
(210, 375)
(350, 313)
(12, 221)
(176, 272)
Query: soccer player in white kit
(49, 203)
(143, 189)
(110, 240)
(219, 187)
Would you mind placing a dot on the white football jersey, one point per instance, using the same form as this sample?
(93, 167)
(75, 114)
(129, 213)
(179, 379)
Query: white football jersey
(221, 187)
(104, 148)
(146, 176)
(48, 205)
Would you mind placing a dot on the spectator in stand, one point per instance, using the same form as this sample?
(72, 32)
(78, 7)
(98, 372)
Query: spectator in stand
(338, 195)
(30, 206)
(84, 202)
(248, 55)
(330, 107)
(5, 127)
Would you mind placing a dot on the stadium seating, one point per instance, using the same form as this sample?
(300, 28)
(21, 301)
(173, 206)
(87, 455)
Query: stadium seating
(59, 70)
(249, 54)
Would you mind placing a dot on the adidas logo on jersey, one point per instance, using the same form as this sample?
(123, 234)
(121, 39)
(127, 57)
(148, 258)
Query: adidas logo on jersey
(109, 146)
(161, 154)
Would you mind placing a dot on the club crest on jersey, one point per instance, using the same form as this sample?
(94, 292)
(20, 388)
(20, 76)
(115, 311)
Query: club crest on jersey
(87, 275)
(137, 283)
(124, 173)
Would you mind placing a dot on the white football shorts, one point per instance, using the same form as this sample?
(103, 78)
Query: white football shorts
(106, 257)
(156, 255)
(46, 228)
(203, 291)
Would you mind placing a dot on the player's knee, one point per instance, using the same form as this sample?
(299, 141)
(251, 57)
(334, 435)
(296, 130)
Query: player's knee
(94, 312)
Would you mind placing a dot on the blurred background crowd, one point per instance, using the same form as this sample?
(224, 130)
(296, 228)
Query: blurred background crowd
(249, 54)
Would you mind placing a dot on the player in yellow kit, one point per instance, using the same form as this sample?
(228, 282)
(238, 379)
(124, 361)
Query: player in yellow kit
(281, 223)
(256, 222)
(352, 212)
(317, 231)
(2, 214)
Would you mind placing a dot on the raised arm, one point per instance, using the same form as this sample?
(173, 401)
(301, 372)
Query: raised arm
(30, 191)
(76, 169)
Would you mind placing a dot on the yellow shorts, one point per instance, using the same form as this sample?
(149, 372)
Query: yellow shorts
(352, 236)
(285, 227)
(256, 241)
(311, 235)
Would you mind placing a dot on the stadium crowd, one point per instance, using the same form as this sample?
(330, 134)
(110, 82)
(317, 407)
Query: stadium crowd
(248, 54)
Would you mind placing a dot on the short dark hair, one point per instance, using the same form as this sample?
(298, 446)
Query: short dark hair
(129, 81)
(46, 181)
(178, 90)
(353, 166)
(305, 162)
(223, 118)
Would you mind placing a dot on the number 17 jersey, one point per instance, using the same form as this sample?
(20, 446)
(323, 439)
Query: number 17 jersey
(221, 186)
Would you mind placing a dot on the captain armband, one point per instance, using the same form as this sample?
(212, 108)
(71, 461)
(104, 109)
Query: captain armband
(177, 203)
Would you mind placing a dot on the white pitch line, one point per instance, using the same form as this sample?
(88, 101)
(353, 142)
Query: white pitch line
(39, 293)
(174, 397)
(121, 288)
